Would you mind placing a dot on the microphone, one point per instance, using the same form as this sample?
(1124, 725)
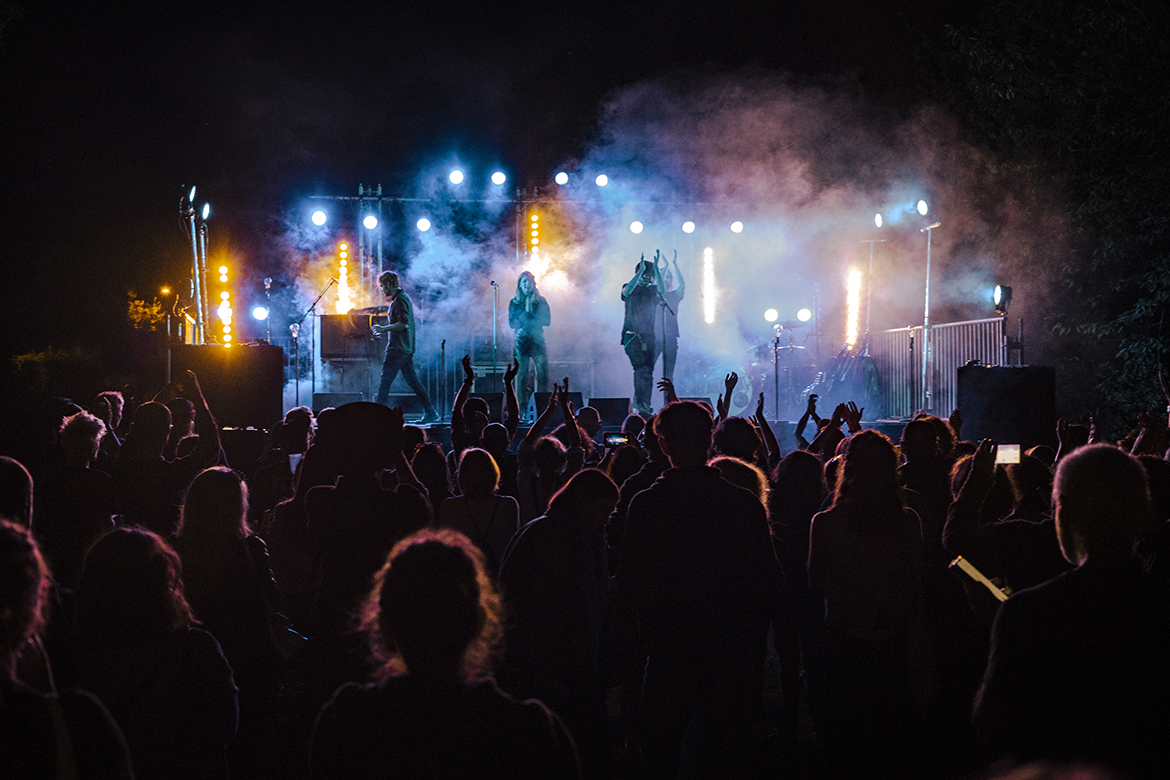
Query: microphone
(494, 284)
(267, 282)
(334, 280)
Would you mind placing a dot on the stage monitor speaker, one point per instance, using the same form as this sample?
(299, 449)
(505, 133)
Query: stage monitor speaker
(613, 411)
(341, 339)
(1011, 404)
(334, 400)
(702, 399)
(242, 384)
(540, 400)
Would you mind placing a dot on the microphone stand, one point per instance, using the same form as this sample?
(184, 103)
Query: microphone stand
(498, 383)
(296, 327)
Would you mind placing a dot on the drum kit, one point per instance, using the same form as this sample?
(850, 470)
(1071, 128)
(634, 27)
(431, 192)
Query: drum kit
(791, 367)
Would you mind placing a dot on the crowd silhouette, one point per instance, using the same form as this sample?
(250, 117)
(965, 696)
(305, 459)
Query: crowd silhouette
(692, 598)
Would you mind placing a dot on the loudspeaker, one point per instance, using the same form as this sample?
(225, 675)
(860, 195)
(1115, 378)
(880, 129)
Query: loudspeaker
(327, 400)
(613, 411)
(242, 384)
(340, 339)
(541, 401)
(1011, 404)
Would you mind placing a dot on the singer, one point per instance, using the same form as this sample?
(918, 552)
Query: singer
(529, 315)
(639, 337)
(400, 346)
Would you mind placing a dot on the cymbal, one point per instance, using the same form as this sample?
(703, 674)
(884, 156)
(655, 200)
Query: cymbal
(792, 324)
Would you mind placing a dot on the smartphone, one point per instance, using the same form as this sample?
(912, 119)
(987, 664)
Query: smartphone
(1008, 453)
(615, 439)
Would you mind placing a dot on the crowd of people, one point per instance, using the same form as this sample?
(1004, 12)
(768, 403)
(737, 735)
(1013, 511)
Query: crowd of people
(687, 600)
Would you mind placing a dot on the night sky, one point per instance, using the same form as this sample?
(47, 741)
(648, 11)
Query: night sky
(108, 112)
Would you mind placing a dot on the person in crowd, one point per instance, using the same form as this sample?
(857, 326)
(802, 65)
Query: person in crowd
(865, 561)
(697, 565)
(543, 463)
(1077, 665)
(151, 488)
(489, 520)
(77, 503)
(470, 416)
(16, 492)
(737, 437)
(59, 734)
(555, 577)
(529, 315)
(429, 465)
(276, 472)
(165, 681)
(744, 474)
(434, 621)
(400, 346)
(229, 584)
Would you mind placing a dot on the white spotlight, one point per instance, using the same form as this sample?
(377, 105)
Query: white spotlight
(370, 222)
(771, 315)
(456, 176)
(562, 178)
(319, 217)
(602, 180)
(260, 313)
(206, 210)
(499, 178)
(922, 209)
(877, 220)
(636, 227)
(191, 195)
(737, 227)
(688, 227)
(423, 224)
(804, 315)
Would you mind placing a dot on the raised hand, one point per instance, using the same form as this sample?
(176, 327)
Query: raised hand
(984, 461)
(667, 387)
(852, 416)
(729, 382)
(760, 407)
(812, 404)
(468, 371)
(838, 416)
(511, 371)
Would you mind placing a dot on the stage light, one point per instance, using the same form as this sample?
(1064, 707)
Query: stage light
(709, 291)
(456, 176)
(370, 222)
(804, 315)
(636, 227)
(223, 269)
(853, 303)
(737, 227)
(533, 243)
(688, 227)
(1002, 297)
(260, 313)
(498, 178)
(223, 296)
(771, 315)
(562, 178)
(319, 217)
(423, 224)
(602, 180)
(877, 219)
(191, 195)
(922, 208)
(165, 291)
(206, 210)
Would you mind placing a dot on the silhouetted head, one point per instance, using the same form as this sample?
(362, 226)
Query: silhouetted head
(633, 426)
(479, 475)
(590, 494)
(684, 431)
(16, 492)
(364, 436)
(1102, 499)
(152, 425)
(867, 484)
(495, 438)
(919, 440)
(182, 416)
(743, 474)
(216, 506)
(81, 435)
(590, 420)
(433, 612)
(737, 437)
(24, 587)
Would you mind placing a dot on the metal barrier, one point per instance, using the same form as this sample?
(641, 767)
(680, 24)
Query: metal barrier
(898, 356)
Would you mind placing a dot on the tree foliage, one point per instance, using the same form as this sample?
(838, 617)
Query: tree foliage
(1074, 94)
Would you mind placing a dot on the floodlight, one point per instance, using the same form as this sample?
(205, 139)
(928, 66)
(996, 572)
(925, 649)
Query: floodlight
(206, 210)
(456, 176)
(922, 209)
(737, 227)
(562, 178)
(223, 269)
(771, 315)
(1002, 297)
(370, 222)
(423, 224)
(319, 217)
(191, 195)
(877, 219)
(804, 315)
(688, 227)
(636, 227)
(602, 180)
(499, 178)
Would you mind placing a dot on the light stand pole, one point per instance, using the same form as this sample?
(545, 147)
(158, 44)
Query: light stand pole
(869, 287)
(495, 334)
(927, 356)
(205, 306)
(187, 210)
(268, 305)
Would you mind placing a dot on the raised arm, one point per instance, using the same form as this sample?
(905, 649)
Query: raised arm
(667, 388)
(724, 403)
(682, 283)
(570, 418)
(810, 411)
(770, 442)
(208, 449)
(457, 427)
(537, 429)
(511, 404)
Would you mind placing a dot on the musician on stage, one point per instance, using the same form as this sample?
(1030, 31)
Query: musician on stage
(529, 315)
(668, 311)
(641, 334)
(400, 346)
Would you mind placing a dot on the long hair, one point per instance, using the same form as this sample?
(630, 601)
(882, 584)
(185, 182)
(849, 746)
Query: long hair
(586, 484)
(478, 476)
(744, 474)
(867, 488)
(213, 520)
(433, 598)
(535, 289)
(131, 589)
(24, 587)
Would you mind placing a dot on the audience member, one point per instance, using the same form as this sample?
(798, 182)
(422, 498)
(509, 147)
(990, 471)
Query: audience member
(487, 519)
